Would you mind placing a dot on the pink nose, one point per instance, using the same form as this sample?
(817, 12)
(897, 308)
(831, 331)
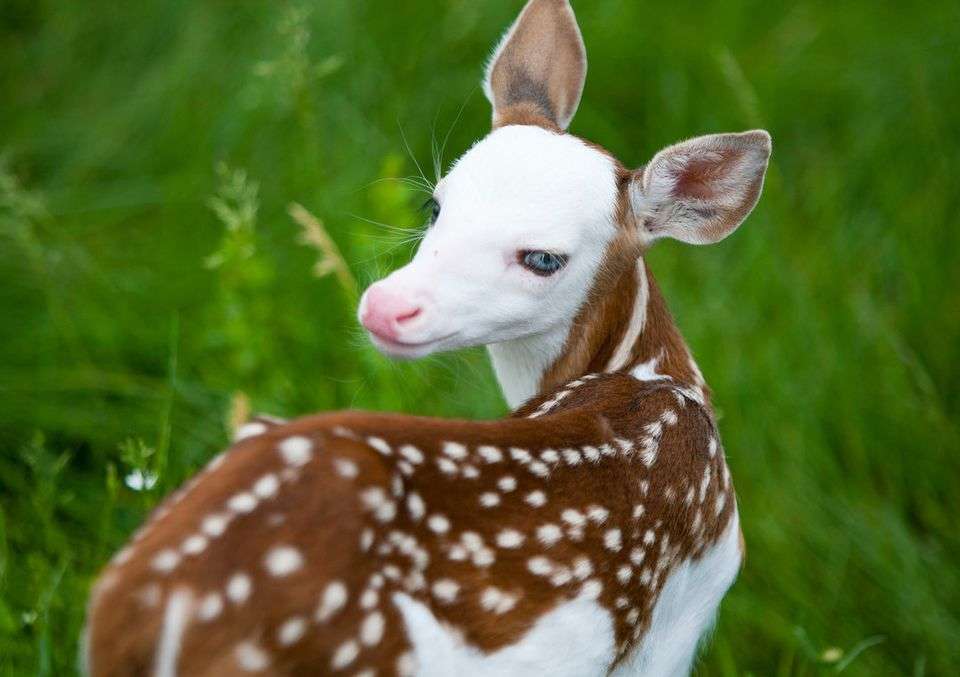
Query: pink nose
(385, 313)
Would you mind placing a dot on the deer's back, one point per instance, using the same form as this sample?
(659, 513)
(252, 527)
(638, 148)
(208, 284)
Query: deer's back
(360, 542)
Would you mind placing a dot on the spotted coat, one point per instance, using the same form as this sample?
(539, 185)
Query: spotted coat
(287, 551)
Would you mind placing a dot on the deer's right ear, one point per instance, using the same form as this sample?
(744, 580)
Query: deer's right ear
(539, 67)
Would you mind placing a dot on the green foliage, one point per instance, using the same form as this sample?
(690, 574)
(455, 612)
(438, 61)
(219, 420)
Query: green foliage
(191, 194)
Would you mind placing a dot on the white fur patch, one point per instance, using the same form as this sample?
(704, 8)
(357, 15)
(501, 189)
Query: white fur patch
(176, 618)
(685, 610)
(574, 639)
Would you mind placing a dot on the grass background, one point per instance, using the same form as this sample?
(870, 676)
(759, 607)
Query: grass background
(152, 280)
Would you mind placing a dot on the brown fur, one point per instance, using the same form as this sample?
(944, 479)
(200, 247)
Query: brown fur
(324, 518)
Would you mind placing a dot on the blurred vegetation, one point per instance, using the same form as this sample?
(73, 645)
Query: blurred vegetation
(190, 199)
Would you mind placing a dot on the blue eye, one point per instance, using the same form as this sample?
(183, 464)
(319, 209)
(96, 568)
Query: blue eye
(432, 208)
(541, 262)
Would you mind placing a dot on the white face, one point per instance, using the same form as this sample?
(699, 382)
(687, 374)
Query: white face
(524, 219)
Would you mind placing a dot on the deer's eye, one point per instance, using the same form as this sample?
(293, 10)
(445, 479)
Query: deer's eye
(541, 262)
(432, 208)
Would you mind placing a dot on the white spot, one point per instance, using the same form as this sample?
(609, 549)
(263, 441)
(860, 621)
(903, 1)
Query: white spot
(507, 483)
(549, 534)
(386, 512)
(210, 607)
(380, 445)
(645, 577)
(296, 450)
(549, 456)
(490, 454)
(598, 513)
(572, 456)
(592, 589)
(520, 455)
(333, 599)
(705, 483)
(611, 540)
(638, 511)
(250, 657)
(536, 498)
(292, 631)
(345, 654)
(242, 503)
(371, 631)
(214, 525)
(238, 588)
(369, 599)
(415, 506)
(340, 431)
(510, 538)
(496, 600)
(447, 467)
(470, 472)
(346, 468)
(623, 574)
(438, 524)
(573, 517)
(446, 590)
(489, 499)
(483, 557)
(540, 566)
(166, 561)
(249, 430)
(561, 576)
(472, 540)
(283, 561)
(649, 537)
(366, 539)
(412, 454)
(457, 553)
(669, 417)
(194, 545)
(721, 501)
(712, 447)
(592, 454)
(539, 468)
(455, 450)
(637, 556)
(582, 568)
(266, 486)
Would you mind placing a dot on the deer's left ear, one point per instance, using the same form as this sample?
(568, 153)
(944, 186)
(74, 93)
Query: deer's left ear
(700, 190)
(539, 67)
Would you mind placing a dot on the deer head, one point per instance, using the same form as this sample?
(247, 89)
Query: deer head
(525, 222)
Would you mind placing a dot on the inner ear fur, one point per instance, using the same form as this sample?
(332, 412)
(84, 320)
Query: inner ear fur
(539, 67)
(699, 191)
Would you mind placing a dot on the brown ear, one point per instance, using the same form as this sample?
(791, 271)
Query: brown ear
(700, 190)
(539, 67)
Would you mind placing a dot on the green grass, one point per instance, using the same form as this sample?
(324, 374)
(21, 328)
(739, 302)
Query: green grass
(151, 278)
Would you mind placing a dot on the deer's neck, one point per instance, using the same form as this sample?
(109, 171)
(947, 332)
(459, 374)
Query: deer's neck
(625, 325)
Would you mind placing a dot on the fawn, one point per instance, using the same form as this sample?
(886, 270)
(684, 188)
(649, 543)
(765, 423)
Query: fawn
(594, 531)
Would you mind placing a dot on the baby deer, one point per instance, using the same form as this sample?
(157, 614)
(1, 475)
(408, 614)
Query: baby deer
(592, 532)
